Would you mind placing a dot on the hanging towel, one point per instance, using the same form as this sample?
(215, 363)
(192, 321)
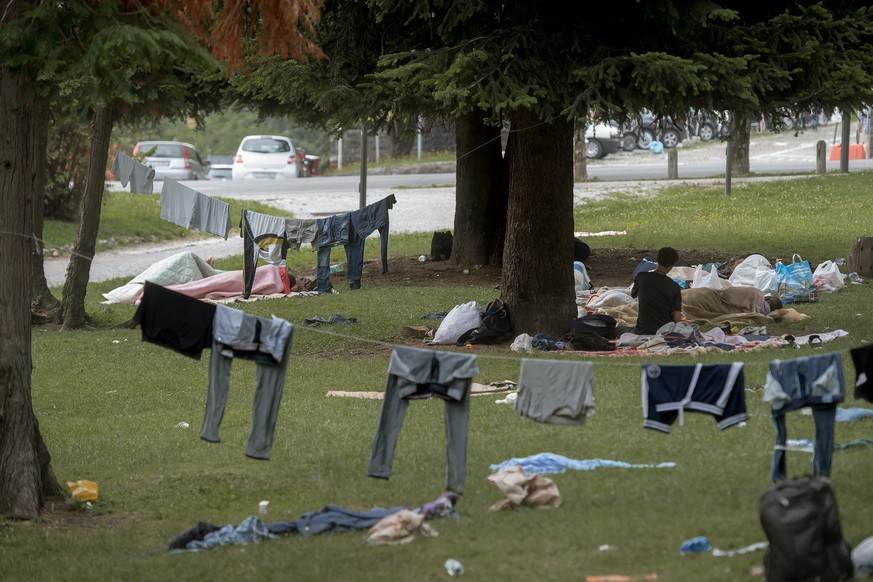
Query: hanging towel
(140, 176)
(555, 392)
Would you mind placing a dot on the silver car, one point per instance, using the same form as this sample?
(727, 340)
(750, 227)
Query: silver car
(172, 159)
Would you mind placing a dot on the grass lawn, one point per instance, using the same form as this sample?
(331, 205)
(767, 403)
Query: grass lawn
(111, 409)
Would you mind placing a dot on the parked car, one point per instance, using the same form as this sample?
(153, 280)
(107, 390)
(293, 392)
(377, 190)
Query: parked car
(220, 172)
(649, 128)
(706, 125)
(601, 140)
(266, 157)
(176, 160)
(220, 167)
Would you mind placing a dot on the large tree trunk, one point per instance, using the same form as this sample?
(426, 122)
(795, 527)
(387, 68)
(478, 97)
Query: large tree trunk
(537, 280)
(740, 135)
(79, 267)
(480, 195)
(21, 486)
(43, 304)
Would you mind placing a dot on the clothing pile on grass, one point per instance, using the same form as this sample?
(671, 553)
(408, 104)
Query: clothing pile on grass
(725, 307)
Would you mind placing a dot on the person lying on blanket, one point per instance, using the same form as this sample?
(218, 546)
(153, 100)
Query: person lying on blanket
(729, 303)
(269, 280)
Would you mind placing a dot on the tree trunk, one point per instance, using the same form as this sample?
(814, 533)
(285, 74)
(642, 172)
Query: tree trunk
(20, 487)
(43, 304)
(537, 281)
(480, 195)
(740, 134)
(79, 268)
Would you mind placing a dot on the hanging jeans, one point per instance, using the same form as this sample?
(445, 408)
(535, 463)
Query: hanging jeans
(266, 341)
(363, 223)
(813, 381)
(415, 373)
(332, 231)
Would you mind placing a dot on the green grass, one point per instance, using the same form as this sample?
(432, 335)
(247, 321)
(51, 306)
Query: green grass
(109, 405)
(127, 218)
(816, 217)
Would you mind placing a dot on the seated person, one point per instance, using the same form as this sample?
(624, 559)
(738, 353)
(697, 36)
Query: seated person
(740, 302)
(659, 296)
(581, 251)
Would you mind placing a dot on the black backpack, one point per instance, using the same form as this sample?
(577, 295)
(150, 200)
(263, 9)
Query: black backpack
(496, 326)
(802, 524)
(599, 323)
(587, 341)
(441, 246)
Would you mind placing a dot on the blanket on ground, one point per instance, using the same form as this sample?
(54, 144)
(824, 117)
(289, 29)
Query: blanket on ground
(179, 268)
(269, 280)
(733, 304)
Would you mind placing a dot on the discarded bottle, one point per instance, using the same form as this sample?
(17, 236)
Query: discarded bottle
(454, 567)
(695, 546)
(336, 269)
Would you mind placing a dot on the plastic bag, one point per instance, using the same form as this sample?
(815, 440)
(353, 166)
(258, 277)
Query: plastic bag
(83, 490)
(765, 280)
(794, 282)
(827, 277)
(708, 279)
(460, 319)
(746, 272)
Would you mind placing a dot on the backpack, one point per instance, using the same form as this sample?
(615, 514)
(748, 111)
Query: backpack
(587, 341)
(496, 326)
(802, 524)
(441, 246)
(599, 323)
(861, 256)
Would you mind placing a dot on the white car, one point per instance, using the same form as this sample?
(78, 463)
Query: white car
(271, 157)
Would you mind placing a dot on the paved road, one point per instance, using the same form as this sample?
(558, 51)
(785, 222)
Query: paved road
(425, 202)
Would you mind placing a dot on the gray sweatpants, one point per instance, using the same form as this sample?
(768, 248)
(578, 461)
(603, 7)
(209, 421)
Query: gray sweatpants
(275, 335)
(411, 371)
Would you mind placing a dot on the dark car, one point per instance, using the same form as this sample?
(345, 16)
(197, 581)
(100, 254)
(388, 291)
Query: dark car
(600, 140)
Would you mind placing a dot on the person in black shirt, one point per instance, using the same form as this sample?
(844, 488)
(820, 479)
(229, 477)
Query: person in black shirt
(660, 297)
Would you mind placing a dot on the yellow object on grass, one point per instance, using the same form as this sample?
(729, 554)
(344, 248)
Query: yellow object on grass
(83, 490)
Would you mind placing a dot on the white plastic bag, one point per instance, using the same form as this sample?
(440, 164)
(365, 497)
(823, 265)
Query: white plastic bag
(746, 272)
(827, 277)
(708, 279)
(765, 280)
(460, 319)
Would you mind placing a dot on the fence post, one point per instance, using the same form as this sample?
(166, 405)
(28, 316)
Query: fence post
(821, 154)
(672, 164)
